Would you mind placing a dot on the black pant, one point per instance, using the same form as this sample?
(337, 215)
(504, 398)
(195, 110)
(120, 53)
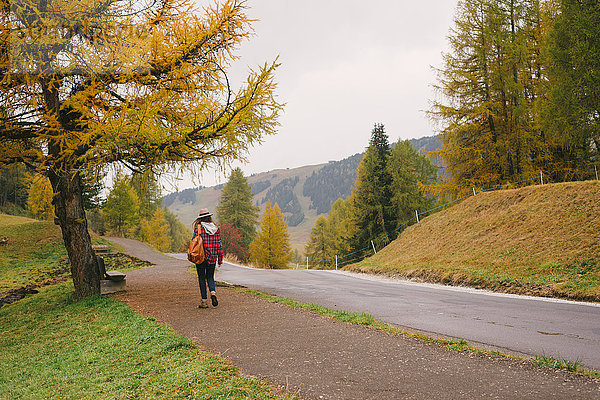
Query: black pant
(206, 275)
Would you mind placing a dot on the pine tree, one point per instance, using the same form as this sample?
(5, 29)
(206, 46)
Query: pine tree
(236, 206)
(410, 173)
(319, 248)
(271, 246)
(372, 195)
(121, 210)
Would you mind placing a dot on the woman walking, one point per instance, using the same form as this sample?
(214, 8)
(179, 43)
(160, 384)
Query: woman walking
(213, 251)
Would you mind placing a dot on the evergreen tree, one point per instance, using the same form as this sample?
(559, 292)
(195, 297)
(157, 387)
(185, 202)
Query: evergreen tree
(121, 208)
(319, 248)
(13, 188)
(155, 231)
(271, 246)
(179, 233)
(236, 206)
(410, 172)
(375, 210)
(572, 112)
(372, 196)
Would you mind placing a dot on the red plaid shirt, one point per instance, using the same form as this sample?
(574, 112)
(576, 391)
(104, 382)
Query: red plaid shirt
(213, 249)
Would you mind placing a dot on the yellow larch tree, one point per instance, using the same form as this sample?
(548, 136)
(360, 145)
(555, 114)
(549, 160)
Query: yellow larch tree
(156, 231)
(39, 200)
(88, 85)
(271, 246)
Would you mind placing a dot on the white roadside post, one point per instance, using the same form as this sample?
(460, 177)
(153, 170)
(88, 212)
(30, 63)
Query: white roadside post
(417, 214)
(306, 262)
(542, 177)
(336, 264)
(373, 244)
(474, 191)
(596, 169)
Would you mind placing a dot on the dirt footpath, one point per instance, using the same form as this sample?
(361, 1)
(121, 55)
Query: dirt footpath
(320, 358)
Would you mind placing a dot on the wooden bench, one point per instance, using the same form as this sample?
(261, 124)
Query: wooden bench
(101, 248)
(110, 281)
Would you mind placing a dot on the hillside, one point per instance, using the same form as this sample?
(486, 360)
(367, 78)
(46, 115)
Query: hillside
(274, 185)
(302, 193)
(540, 240)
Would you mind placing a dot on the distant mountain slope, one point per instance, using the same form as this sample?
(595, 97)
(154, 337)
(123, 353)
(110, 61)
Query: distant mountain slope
(540, 240)
(427, 144)
(302, 193)
(332, 182)
(282, 185)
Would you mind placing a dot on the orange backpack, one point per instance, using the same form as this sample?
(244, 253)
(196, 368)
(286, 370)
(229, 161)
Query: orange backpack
(195, 251)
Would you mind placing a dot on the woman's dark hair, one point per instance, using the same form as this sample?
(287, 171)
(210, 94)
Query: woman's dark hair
(208, 218)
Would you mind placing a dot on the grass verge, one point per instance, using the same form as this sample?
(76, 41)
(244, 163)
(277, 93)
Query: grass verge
(56, 348)
(456, 345)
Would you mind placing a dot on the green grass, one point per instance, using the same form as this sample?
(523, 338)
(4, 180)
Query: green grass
(461, 345)
(56, 348)
(34, 254)
(560, 363)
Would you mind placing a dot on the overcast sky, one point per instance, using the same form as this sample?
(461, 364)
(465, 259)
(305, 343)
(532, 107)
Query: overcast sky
(345, 65)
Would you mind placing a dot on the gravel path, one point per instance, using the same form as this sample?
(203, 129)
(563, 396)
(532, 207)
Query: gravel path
(320, 358)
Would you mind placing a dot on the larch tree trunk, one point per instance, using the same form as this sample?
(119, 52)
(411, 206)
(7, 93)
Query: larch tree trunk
(68, 204)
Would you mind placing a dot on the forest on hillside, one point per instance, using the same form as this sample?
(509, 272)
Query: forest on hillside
(333, 181)
(323, 187)
(283, 194)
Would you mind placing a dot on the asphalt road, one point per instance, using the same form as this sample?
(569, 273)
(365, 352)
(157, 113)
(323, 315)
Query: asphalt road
(516, 324)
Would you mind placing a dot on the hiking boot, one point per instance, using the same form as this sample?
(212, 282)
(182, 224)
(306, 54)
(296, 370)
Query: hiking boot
(203, 304)
(213, 299)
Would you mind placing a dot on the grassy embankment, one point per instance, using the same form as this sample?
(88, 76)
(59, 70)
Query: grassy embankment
(54, 347)
(537, 240)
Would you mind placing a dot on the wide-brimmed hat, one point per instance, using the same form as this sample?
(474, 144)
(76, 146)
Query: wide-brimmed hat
(204, 213)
